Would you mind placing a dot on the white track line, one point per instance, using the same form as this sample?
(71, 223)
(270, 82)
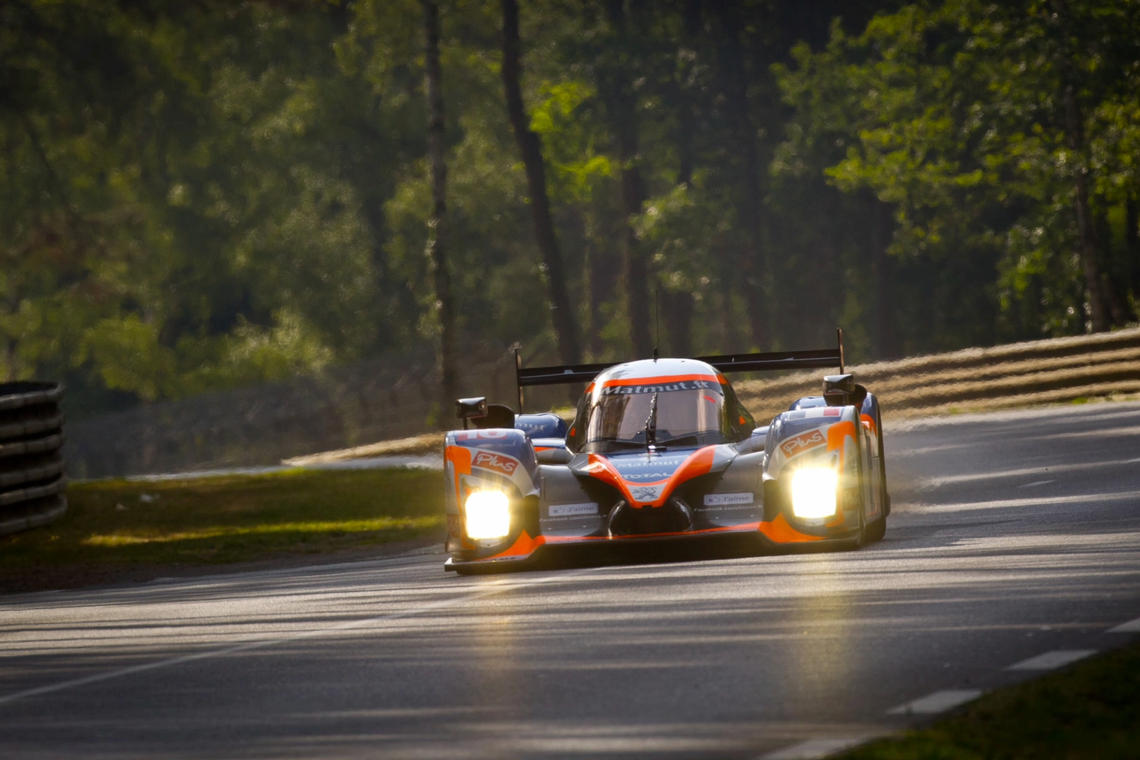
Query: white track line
(812, 749)
(1132, 626)
(1037, 483)
(262, 643)
(939, 701)
(1052, 660)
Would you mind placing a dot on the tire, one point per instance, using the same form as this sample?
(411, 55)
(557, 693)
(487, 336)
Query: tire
(876, 531)
(878, 528)
(860, 539)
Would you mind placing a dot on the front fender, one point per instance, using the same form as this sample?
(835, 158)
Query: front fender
(828, 436)
(497, 458)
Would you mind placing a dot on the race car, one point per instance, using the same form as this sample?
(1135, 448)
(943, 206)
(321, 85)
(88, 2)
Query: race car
(663, 450)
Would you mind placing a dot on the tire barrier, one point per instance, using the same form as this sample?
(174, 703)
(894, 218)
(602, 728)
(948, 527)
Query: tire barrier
(32, 479)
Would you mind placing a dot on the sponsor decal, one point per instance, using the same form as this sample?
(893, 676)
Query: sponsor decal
(645, 493)
(680, 385)
(488, 460)
(660, 461)
(803, 442)
(721, 499)
(568, 510)
(475, 435)
(647, 470)
(832, 411)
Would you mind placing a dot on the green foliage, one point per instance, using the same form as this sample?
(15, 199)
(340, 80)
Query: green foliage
(952, 113)
(1085, 711)
(561, 116)
(200, 196)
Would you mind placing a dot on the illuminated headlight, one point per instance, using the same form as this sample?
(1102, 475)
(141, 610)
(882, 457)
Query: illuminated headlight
(488, 514)
(813, 492)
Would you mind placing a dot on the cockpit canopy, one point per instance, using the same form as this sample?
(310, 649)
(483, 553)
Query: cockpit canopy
(634, 405)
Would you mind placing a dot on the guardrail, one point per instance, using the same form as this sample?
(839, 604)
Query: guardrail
(32, 479)
(1059, 370)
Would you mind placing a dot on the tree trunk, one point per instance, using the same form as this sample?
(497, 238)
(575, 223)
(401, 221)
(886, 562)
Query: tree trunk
(530, 146)
(1101, 294)
(600, 290)
(679, 305)
(881, 226)
(750, 203)
(620, 103)
(1113, 268)
(437, 234)
(1132, 244)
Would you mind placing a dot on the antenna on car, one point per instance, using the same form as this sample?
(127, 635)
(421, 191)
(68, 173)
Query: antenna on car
(518, 367)
(656, 320)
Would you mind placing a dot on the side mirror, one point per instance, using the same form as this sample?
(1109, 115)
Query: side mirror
(838, 389)
(470, 409)
(498, 416)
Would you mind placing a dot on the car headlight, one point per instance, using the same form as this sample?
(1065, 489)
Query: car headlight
(488, 514)
(814, 492)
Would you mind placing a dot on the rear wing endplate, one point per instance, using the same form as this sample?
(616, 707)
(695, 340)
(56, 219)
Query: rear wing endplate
(771, 361)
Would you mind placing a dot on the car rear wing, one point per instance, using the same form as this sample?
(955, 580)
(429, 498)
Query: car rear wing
(770, 361)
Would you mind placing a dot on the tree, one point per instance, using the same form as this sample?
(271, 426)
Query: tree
(530, 148)
(974, 122)
(752, 264)
(616, 88)
(438, 238)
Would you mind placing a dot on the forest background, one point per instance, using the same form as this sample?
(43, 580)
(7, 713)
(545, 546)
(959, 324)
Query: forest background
(201, 195)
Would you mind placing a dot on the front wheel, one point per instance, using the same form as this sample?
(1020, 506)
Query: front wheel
(878, 529)
(862, 538)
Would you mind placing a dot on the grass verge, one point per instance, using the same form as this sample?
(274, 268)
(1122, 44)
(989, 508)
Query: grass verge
(1090, 711)
(126, 530)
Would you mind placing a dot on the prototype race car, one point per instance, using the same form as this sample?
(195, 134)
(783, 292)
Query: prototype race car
(662, 449)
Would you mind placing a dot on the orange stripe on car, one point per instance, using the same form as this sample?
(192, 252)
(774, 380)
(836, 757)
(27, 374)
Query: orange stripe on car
(779, 531)
(837, 432)
(698, 463)
(460, 458)
(523, 546)
(664, 380)
(869, 423)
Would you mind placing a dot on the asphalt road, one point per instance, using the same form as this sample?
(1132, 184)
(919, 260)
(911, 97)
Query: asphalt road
(1015, 543)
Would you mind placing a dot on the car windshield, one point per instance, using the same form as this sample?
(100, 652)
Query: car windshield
(686, 416)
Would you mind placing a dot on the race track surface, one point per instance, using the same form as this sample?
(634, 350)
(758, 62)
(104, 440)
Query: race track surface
(1014, 548)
